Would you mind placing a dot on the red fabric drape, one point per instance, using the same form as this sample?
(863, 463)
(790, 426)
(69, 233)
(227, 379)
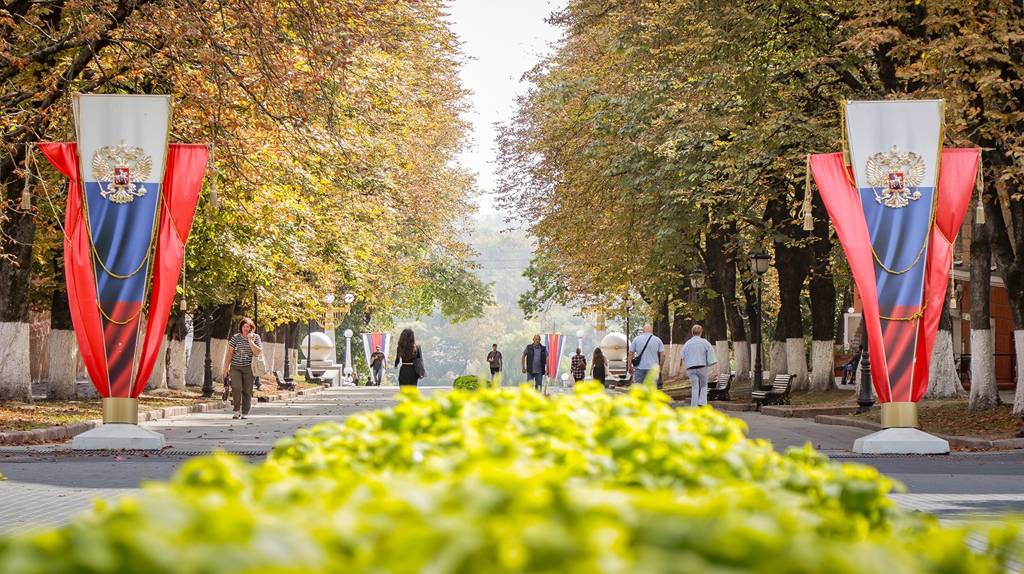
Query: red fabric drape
(958, 170)
(183, 179)
(957, 174)
(78, 270)
(186, 165)
(842, 200)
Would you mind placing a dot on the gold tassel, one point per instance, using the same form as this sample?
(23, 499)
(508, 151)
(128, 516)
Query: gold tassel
(952, 284)
(26, 192)
(979, 210)
(808, 216)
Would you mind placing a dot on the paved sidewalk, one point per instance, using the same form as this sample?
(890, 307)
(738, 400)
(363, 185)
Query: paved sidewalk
(47, 485)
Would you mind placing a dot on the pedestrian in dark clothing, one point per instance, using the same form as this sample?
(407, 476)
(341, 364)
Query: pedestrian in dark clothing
(377, 365)
(599, 366)
(406, 357)
(535, 361)
(494, 360)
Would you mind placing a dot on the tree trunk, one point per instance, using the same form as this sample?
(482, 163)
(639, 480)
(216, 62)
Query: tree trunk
(222, 324)
(791, 263)
(661, 322)
(715, 326)
(984, 393)
(823, 303)
(176, 351)
(737, 329)
(63, 352)
(943, 380)
(17, 233)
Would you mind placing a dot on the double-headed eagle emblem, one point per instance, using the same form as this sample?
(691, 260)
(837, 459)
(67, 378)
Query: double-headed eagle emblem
(118, 169)
(893, 175)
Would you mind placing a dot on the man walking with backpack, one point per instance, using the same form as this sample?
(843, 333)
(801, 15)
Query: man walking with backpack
(645, 353)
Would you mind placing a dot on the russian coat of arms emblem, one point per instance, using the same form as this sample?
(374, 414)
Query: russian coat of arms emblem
(119, 170)
(893, 175)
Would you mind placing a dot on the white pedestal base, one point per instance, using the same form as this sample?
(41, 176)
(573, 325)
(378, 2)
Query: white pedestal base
(900, 441)
(118, 437)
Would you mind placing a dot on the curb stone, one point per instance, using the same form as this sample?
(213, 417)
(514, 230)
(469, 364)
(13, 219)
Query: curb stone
(806, 412)
(741, 407)
(64, 432)
(958, 441)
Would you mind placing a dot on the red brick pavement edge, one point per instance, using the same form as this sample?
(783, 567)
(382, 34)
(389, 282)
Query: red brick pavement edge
(64, 432)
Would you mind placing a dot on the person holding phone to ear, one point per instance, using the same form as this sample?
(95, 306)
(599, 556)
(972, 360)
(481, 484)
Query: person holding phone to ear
(243, 346)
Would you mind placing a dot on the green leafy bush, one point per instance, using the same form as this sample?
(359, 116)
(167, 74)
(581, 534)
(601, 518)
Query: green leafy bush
(466, 383)
(503, 480)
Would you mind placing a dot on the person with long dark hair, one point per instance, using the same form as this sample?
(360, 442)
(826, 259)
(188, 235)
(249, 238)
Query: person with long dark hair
(599, 366)
(407, 356)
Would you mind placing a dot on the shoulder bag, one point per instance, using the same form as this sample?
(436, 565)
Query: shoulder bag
(259, 365)
(637, 357)
(421, 371)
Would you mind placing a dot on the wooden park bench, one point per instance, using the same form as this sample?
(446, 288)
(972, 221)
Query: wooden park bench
(778, 394)
(718, 389)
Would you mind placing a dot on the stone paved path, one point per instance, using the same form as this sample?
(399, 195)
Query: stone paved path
(48, 485)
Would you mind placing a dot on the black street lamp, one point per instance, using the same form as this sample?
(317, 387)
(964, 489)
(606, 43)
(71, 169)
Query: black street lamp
(865, 399)
(287, 360)
(759, 262)
(208, 360)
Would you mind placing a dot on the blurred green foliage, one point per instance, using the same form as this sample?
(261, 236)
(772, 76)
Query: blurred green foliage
(505, 480)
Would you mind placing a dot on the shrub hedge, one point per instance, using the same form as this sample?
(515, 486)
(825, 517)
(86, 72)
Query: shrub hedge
(503, 480)
(466, 383)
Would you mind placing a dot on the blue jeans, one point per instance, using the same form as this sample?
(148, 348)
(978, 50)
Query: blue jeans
(538, 380)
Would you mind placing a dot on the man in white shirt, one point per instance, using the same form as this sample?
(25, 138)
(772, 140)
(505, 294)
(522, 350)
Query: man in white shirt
(697, 355)
(649, 349)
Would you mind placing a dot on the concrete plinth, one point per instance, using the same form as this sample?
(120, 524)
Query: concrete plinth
(118, 437)
(900, 441)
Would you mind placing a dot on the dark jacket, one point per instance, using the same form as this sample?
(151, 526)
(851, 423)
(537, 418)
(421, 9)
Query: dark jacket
(529, 358)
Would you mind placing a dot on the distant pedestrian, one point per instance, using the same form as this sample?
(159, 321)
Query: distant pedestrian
(535, 361)
(697, 356)
(645, 353)
(377, 365)
(238, 367)
(599, 366)
(408, 360)
(578, 366)
(494, 360)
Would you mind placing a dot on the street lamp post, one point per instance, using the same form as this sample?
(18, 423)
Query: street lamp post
(208, 360)
(865, 400)
(579, 339)
(348, 351)
(287, 361)
(759, 262)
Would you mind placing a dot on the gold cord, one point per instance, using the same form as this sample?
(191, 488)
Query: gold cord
(914, 317)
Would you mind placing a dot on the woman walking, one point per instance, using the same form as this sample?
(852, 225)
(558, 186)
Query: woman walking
(408, 360)
(243, 346)
(599, 368)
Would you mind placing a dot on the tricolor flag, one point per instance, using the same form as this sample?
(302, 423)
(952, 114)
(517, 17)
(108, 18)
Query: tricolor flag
(373, 341)
(555, 343)
(130, 205)
(897, 206)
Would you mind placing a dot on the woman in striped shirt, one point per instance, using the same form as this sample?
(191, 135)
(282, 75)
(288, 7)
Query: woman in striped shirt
(243, 346)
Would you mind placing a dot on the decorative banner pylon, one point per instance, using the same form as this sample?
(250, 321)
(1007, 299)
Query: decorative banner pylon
(131, 201)
(370, 342)
(555, 342)
(897, 206)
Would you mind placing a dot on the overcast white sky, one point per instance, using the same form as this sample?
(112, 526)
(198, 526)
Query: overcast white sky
(502, 39)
